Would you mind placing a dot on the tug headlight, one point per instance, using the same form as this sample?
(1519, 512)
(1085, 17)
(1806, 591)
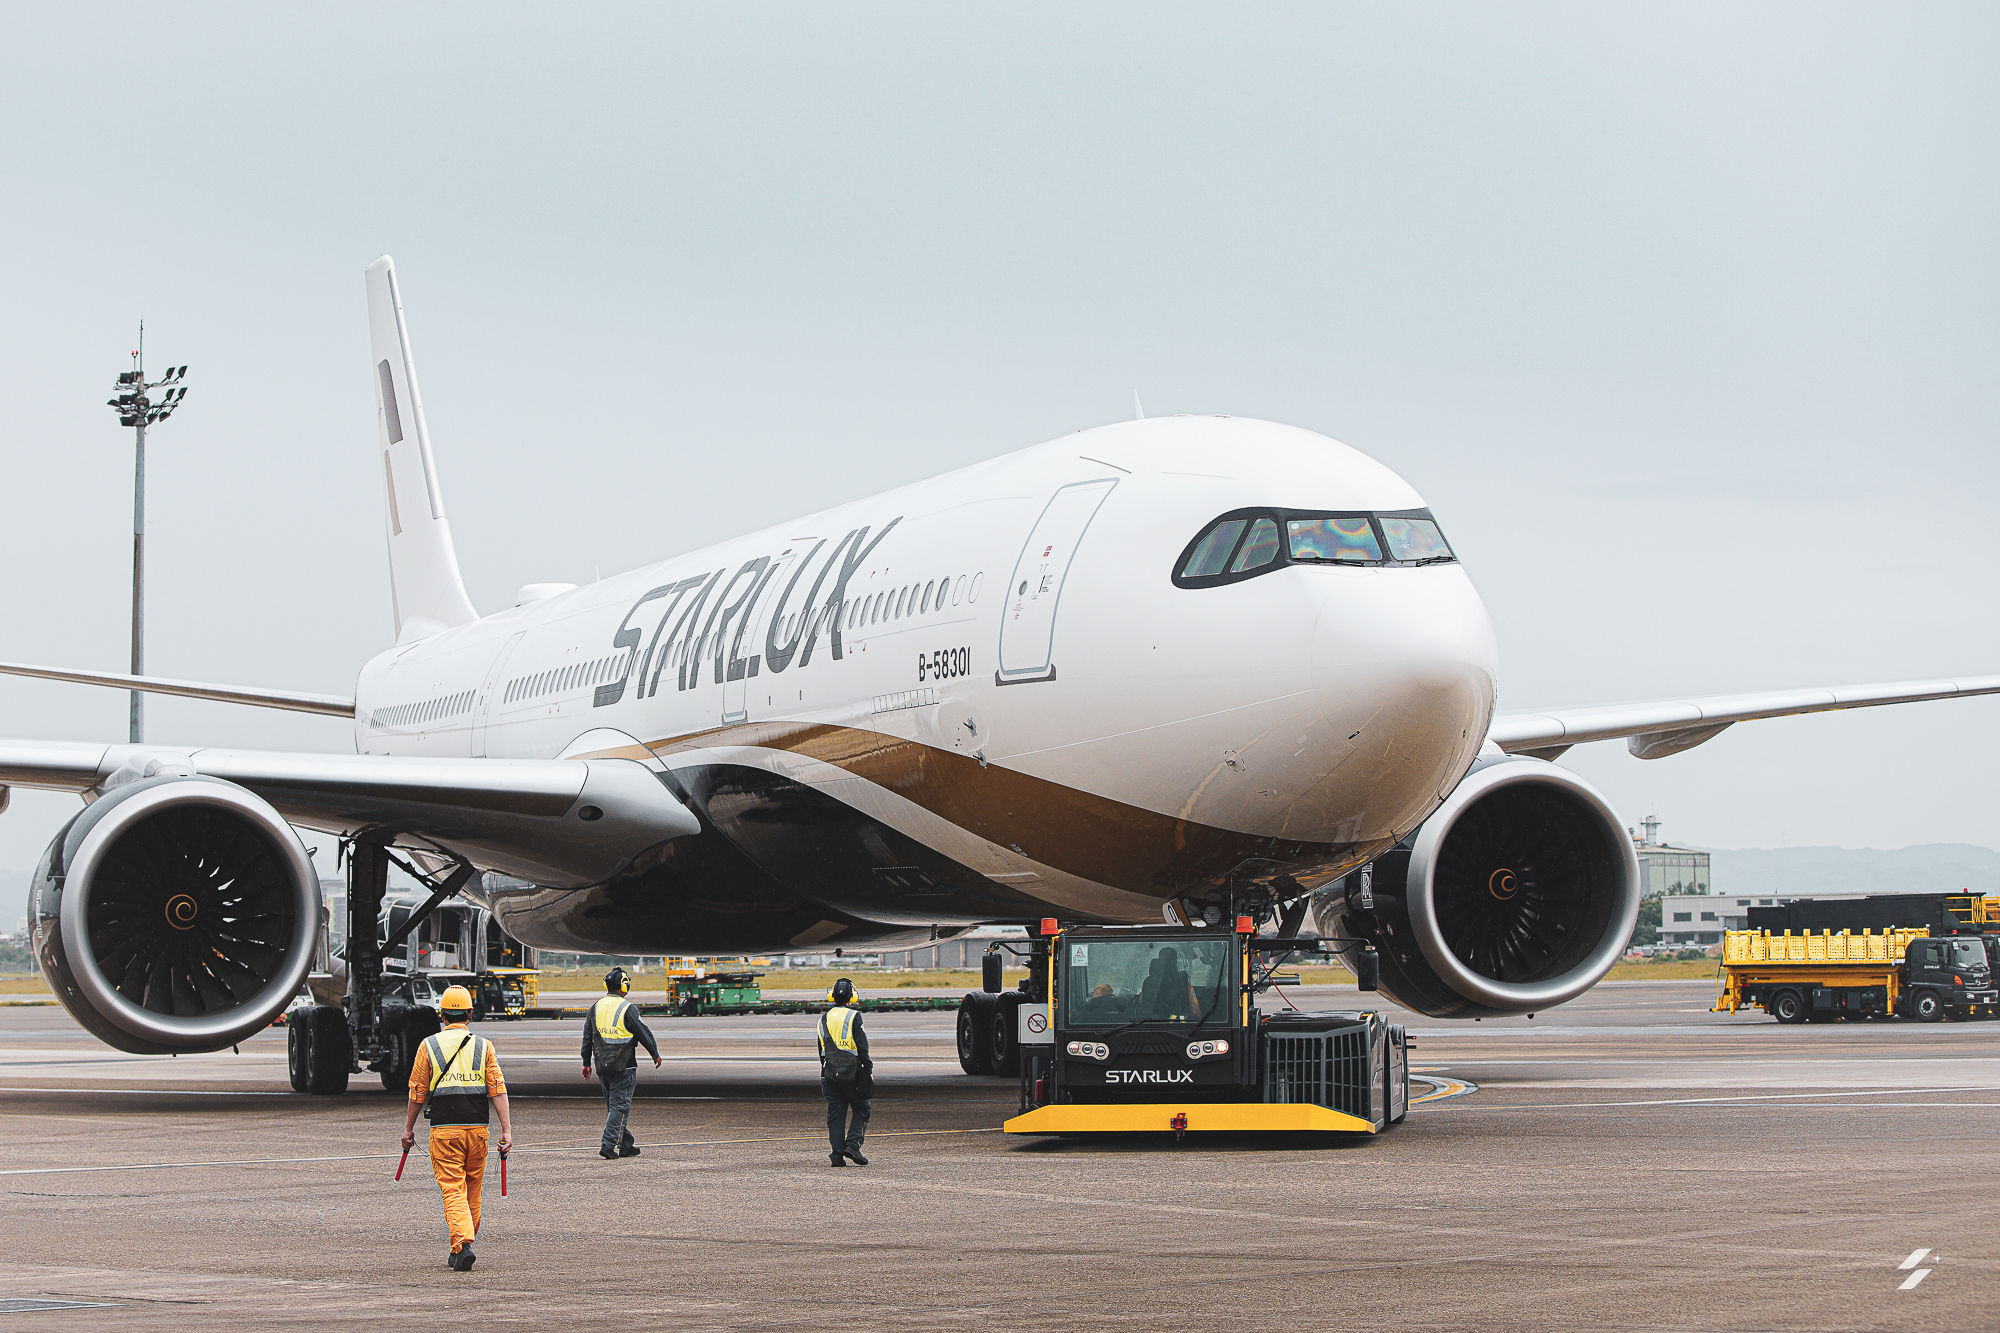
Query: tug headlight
(1196, 1050)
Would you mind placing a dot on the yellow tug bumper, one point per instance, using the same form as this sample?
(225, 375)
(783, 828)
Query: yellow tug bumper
(1200, 1117)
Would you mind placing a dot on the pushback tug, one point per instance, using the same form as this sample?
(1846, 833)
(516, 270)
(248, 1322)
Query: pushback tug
(1124, 1029)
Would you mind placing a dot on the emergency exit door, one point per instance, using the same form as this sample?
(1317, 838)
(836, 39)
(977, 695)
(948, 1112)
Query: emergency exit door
(1028, 628)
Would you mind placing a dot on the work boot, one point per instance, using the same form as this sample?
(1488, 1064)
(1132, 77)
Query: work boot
(632, 1151)
(607, 1154)
(466, 1258)
(854, 1156)
(835, 1159)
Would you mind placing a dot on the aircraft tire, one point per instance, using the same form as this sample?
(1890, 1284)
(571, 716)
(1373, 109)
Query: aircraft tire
(329, 1051)
(975, 1032)
(298, 1043)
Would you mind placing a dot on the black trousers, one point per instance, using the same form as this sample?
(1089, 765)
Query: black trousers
(843, 1134)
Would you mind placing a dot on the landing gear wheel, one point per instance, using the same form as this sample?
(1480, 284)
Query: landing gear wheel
(397, 1053)
(403, 1033)
(329, 1050)
(1928, 1007)
(1787, 1007)
(1007, 1033)
(298, 1045)
(975, 1032)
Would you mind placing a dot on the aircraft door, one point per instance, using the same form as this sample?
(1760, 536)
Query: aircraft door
(489, 691)
(1028, 626)
(743, 654)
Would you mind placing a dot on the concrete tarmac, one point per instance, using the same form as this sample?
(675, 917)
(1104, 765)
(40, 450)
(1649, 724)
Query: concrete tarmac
(1628, 1161)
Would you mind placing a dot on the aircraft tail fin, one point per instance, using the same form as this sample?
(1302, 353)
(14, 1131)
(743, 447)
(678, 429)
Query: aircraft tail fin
(424, 581)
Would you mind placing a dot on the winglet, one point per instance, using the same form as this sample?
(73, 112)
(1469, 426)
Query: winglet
(424, 582)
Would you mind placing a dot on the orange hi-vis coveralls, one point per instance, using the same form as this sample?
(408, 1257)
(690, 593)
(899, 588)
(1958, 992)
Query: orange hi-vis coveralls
(458, 1075)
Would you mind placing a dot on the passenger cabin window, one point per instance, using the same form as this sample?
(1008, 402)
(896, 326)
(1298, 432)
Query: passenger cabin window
(1247, 542)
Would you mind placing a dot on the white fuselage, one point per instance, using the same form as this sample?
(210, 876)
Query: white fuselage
(1017, 619)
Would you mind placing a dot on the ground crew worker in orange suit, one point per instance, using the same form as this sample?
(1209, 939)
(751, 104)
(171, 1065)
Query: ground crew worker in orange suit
(456, 1081)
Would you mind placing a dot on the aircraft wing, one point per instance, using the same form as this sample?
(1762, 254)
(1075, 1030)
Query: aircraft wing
(564, 823)
(1662, 727)
(329, 705)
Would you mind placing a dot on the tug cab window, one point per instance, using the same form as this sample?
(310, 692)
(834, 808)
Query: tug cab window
(1113, 983)
(1247, 542)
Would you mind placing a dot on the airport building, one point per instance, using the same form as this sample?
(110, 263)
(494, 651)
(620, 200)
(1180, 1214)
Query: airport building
(1689, 920)
(1664, 869)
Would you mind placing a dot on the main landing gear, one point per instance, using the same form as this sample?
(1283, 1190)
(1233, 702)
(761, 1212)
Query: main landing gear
(325, 1044)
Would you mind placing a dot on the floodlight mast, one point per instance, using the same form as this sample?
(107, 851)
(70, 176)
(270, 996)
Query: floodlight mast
(138, 410)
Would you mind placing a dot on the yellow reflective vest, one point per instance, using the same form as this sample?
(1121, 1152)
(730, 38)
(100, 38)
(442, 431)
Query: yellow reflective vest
(608, 1015)
(611, 1041)
(458, 1079)
(836, 1027)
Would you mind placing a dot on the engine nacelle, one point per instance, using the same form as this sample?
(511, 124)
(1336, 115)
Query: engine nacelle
(175, 914)
(1519, 893)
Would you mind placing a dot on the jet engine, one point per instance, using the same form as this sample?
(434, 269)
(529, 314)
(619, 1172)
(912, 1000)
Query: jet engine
(1519, 893)
(178, 913)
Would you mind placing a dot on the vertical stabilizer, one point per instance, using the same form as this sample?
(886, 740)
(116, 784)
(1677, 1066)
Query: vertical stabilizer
(424, 581)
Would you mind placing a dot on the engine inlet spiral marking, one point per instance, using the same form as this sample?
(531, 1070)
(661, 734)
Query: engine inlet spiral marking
(181, 911)
(1501, 884)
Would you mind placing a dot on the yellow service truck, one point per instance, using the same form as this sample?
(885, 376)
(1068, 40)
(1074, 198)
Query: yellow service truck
(1815, 977)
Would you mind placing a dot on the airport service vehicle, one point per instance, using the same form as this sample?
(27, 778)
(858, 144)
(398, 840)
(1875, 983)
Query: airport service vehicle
(1172, 665)
(1898, 973)
(1938, 913)
(1155, 1029)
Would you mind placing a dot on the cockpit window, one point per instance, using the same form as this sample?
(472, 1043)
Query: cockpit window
(1247, 542)
(1348, 541)
(1211, 553)
(1259, 549)
(1412, 538)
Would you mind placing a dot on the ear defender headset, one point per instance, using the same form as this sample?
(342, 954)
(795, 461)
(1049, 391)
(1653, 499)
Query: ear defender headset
(842, 992)
(617, 981)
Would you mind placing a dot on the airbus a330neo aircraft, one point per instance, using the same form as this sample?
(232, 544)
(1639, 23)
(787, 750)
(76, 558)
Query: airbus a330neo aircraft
(1148, 668)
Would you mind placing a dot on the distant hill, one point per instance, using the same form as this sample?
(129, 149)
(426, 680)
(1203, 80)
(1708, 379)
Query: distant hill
(1799, 872)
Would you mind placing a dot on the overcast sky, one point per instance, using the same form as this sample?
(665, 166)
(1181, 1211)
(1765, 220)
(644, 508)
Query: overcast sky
(1685, 321)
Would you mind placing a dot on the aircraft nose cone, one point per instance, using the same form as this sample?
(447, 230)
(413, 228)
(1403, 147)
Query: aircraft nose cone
(1403, 667)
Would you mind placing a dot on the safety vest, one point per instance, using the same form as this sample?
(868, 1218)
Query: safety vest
(458, 1078)
(836, 1026)
(609, 1017)
(612, 1049)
